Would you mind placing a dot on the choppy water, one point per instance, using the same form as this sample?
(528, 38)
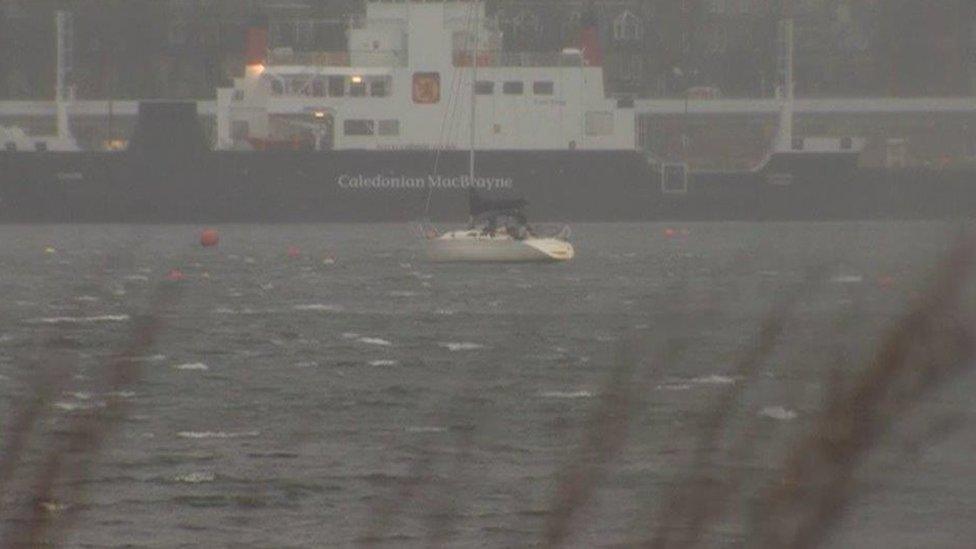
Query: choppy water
(355, 393)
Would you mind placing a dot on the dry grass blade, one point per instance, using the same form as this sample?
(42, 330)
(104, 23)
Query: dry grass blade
(931, 342)
(72, 459)
(699, 495)
(604, 438)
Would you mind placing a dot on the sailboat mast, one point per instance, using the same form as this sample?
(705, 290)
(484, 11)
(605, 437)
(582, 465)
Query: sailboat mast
(474, 84)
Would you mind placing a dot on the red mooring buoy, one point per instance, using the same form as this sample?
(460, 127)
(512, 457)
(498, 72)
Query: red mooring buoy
(175, 275)
(209, 238)
(294, 252)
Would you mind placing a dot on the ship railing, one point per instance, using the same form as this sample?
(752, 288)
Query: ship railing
(518, 59)
(364, 58)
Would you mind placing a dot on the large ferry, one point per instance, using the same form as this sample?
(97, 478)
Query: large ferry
(382, 133)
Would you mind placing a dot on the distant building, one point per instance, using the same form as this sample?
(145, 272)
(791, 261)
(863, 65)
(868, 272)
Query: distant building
(654, 48)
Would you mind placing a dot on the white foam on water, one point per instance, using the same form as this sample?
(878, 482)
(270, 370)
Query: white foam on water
(196, 477)
(406, 266)
(383, 363)
(79, 319)
(445, 312)
(350, 335)
(268, 286)
(191, 366)
(847, 279)
(566, 394)
(53, 507)
(374, 341)
(306, 364)
(403, 293)
(217, 434)
(137, 278)
(713, 380)
(426, 429)
(80, 395)
(121, 394)
(461, 346)
(318, 307)
(778, 412)
(86, 298)
(150, 358)
(674, 387)
(78, 406)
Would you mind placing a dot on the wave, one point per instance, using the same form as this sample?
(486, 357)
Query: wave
(847, 279)
(426, 429)
(374, 341)
(318, 307)
(713, 380)
(383, 363)
(217, 434)
(78, 406)
(195, 478)
(403, 293)
(461, 346)
(674, 387)
(566, 394)
(79, 319)
(198, 366)
(778, 412)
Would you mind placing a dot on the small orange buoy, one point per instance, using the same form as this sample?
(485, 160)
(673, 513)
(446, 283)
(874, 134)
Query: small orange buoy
(294, 252)
(175, 275)
(669, 232)
(209, 238)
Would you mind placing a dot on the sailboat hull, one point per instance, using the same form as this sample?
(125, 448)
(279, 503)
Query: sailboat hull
(483, 249)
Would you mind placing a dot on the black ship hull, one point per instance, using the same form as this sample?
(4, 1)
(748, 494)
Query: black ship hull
(396, 186)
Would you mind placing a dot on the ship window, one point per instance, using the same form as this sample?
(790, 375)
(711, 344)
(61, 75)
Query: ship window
(388, 127)
(357, 89)
(40, 146)
(358, 127)
(846, 143)
(599, 123)
(10, 146)
(238, 95)
(337, 86)
(543, 88)
(318, 88)
(513, 88)
(378, 88)
(484, 87)
(239, 129)
(277, 88)
(797, 143)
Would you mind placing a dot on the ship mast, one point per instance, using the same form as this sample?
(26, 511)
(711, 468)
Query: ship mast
(474, 85)
(787, 88)
(61, 92)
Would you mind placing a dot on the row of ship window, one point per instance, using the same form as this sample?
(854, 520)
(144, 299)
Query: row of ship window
(340, 86)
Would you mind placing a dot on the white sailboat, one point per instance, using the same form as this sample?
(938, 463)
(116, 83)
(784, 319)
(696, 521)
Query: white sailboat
(499, 231)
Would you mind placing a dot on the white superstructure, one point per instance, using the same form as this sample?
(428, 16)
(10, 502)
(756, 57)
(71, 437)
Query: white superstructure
(405, 83)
